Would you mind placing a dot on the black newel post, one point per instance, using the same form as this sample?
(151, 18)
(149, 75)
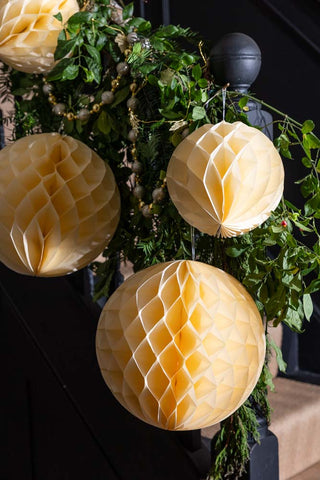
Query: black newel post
(236, 59)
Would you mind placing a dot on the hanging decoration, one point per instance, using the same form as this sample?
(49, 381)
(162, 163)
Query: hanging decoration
(225, 179)
(59, 205)
(29, 32)
(181, 345)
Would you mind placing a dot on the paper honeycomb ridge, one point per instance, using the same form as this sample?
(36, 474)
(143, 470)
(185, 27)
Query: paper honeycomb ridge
(181, 345)
(225, 179)
(29, 32)
(59, 205)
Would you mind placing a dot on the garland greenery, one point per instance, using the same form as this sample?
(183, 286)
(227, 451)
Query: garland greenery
(279, 262)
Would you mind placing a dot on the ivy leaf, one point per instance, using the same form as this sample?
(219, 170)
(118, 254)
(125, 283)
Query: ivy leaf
(313, 287)
(65, 47)
(243, 102)
(128, 11)
(234, 252)
(203, 83)
(103, 123)
(198, 113)
(281, 363)
(94, 72)
(57, 71)
(307, 305)
(79, 18)
(196, 72)
(120, 96)
(70, 73)
(58, 16)
(311, 141)
(307, 126)
(94, 54)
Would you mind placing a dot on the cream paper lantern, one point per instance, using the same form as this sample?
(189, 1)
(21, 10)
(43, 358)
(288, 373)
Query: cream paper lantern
(181, 345)
(225, 179)
(29, 32)
(59, 205)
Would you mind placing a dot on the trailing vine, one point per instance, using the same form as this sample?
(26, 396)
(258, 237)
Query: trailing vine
(278, 262)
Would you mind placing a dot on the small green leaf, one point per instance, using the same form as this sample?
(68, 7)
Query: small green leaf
(198, 113)
(57, 71)
(243, 102)
(80, 18)
(306, 162)
(65, 47)
(70, 73)
(103, 123)
(313, 287)
(203, 83)
(281, 363)
(196, 72)
(58, 16)
(307, 305)
(234, 252)
(94, 54)
(120, 96)
(307, 126)
(128, 11)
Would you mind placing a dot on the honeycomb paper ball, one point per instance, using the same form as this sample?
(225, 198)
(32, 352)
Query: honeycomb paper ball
(59, 205)
(181, 345)
(29, 32)
(225, 179)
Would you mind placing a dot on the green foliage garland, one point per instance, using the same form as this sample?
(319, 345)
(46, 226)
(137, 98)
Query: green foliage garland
(279, 262)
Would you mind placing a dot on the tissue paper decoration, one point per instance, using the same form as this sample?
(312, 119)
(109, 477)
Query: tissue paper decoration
(59, 205)
(225, 179)
(181, 345)
(29, 32)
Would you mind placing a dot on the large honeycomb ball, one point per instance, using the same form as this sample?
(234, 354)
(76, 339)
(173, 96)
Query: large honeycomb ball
(29, 32)
(181, 345)
(225, 179)
(59, 205)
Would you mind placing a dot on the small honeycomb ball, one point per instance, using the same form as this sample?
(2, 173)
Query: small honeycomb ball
(59, 205)
(181, 345)
(29, 32)
(225, 179)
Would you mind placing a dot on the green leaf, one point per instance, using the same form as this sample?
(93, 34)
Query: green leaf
(234, 252)
(79, 18)
(203, 83)
(103, 123)
(94, 54)
(313, 287)
(128, 11)
(281, 363)
(94, 70)
(306, 162)
(307, 305)
(65, 47)
(307, 126)
(70, 73)
(198, 113)
(120, 96)
(57, 71)
(311, 141)
(58, 16)
(196, 72)
(243, 102)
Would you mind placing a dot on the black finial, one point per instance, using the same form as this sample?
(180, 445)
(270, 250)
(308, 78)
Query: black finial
(235, 59)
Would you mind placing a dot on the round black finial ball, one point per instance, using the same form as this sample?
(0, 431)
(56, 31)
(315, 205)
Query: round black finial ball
(235, 59)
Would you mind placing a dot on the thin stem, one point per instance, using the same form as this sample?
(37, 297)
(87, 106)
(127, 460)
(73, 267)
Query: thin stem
(270, 107)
